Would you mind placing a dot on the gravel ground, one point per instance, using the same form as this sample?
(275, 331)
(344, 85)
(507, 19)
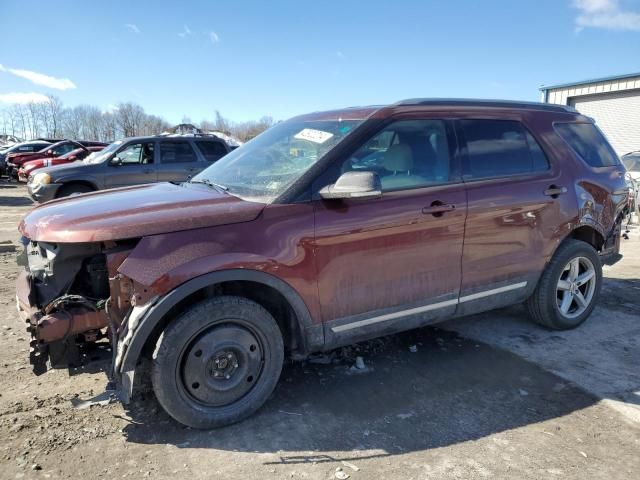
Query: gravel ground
(486, 396)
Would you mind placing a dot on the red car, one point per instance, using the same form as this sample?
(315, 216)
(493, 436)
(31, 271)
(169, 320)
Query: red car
(325, 230)
(72, 156)
(16, 160)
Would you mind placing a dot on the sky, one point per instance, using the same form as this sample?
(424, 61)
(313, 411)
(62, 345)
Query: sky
(248, 59)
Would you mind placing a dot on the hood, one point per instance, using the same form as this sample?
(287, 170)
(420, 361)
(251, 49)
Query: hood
(34, 163)
(133, 212)
(69, 168)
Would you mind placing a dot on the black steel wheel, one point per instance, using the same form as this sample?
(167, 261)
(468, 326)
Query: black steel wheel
(218, 362)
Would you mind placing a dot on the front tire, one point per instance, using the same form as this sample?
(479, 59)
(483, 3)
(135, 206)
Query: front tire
(218, 362)
(569, 287)
(73, 189)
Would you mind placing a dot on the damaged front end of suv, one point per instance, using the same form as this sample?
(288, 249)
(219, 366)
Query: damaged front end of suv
(71, 295)
(94, 265)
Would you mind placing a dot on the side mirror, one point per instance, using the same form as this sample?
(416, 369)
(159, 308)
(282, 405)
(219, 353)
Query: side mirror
(116, 161)
(49, 153)
(354, 185)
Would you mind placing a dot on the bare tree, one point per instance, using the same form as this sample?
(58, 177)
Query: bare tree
(6, 122)
(129, 117)
(52, 116)
(242, 131)
(88, 122)
(152, 125)
(109, 127)
(72, 120)
(93, 121)
(221, 124)
(20, 119)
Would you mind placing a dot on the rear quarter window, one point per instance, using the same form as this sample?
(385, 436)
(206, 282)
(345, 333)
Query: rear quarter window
(212, 151)
(589, 143)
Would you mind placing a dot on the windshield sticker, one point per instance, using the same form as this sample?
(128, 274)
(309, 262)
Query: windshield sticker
(315, 136)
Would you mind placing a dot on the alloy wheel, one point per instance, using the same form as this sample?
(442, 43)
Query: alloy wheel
(576, 287)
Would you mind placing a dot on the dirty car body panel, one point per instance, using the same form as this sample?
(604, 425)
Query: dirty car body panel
(133, 258)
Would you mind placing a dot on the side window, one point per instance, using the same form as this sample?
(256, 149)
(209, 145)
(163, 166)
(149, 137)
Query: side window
(499, 148)
(212, 151)
(136, 153)
(61, 150)
(631, 164)
(406, 154)
(588, 142)
(177, 152)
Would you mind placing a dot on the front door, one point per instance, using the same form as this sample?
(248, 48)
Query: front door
(392, 263)
(134, 164)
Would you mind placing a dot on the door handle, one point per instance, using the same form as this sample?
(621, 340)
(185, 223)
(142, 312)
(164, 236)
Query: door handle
(437, 208)
(553, 191)
(147, 170)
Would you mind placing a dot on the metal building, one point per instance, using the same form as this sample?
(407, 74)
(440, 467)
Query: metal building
(614, 102)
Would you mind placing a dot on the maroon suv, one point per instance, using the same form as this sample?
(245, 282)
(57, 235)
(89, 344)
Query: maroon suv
(327, 229)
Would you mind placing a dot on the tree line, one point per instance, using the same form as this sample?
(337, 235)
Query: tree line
(51, 119)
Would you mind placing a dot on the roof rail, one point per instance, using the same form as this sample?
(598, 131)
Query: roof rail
(462, 102)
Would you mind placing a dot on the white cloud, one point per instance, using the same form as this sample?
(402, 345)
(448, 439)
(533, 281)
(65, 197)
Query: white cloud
(213, 36)
(606, 14)
(595, 5)
(186, 32)
(132, 27)
(40, 78)
(23, 98)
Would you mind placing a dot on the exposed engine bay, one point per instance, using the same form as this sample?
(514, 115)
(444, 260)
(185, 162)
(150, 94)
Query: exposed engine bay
(65, 296)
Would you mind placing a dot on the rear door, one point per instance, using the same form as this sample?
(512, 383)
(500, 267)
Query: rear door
(133, 164)
(518, 201)
(178, 161)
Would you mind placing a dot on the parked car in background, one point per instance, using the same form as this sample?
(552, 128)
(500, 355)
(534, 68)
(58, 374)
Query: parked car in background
(327, 229)
(8, 140)
(73, 156)
(131, 161)
(631, 162)
(16, 159)
(24, 147)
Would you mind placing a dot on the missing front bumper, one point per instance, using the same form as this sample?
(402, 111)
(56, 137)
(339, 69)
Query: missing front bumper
(55, 335)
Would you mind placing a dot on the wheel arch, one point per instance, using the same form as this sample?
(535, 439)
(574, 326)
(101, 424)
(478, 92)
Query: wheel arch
(300, 334)
(589, 234)
(70, 183)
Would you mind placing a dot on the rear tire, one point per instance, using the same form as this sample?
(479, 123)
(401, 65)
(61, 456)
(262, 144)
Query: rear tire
(569, 287)
(218, 362)
(73, 189)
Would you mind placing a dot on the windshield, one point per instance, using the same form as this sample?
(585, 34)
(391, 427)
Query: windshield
(102, 155)
(265, 167)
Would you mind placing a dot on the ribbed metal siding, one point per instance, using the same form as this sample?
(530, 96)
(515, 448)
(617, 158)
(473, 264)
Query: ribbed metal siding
(618, 116)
